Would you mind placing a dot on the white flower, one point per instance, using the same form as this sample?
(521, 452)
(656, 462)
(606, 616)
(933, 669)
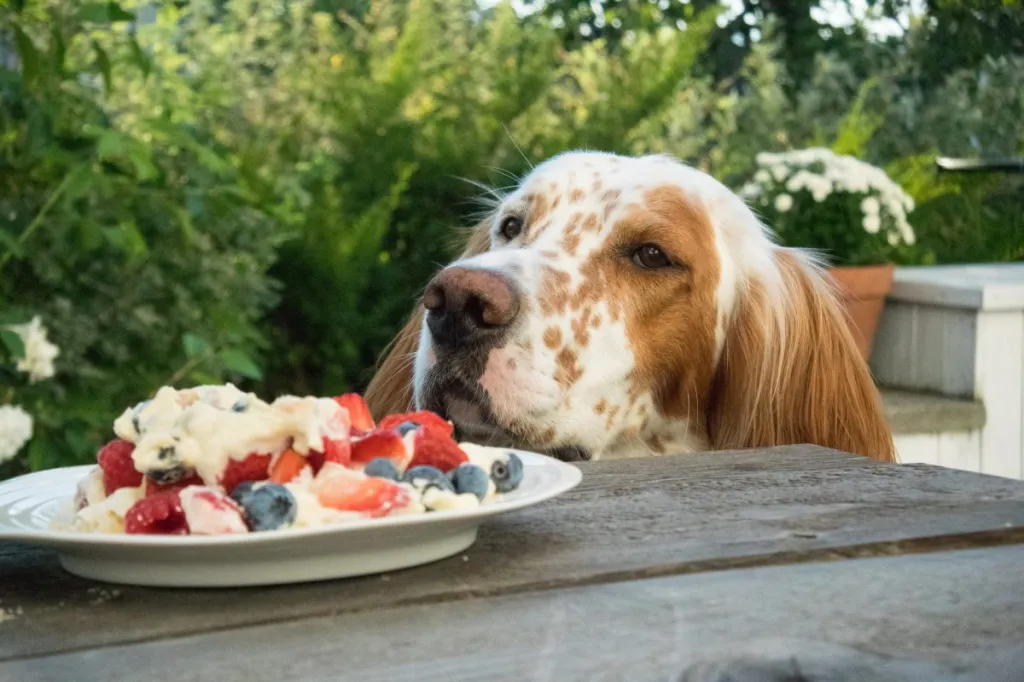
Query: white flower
(783, 203)
(820, 189)
(780, 172)
(870, 206)
(762, 177)
(893, 238)
(872, 223)
(15, 430)
(39, 352)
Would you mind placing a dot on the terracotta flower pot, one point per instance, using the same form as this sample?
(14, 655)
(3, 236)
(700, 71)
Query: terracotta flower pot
(863, 289)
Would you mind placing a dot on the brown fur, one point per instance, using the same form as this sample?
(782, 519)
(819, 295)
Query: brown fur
(390, 390)
(811, 386)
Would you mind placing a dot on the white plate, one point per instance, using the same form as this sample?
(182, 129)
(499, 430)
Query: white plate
(29, 503)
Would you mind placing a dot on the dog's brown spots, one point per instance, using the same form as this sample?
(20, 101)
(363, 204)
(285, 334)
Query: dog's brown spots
(591, 224)
(554, 291)
(512, 364)
(567, 370)
(610, 196)
(581, 328)
(552, 337)
(595, 321)
(557, 200)
(549, 254)
(601, 406)
(609, 209)
(571, 242)
(576, 195)
(546, 437)
(596, 187)
(610, 421)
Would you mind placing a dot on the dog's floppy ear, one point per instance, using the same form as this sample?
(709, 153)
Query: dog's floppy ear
(390, 390)
(790, 371)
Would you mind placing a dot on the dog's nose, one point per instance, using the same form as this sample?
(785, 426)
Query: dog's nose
(465, 305)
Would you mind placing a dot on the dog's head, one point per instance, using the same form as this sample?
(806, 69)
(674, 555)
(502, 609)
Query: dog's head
(628, 306)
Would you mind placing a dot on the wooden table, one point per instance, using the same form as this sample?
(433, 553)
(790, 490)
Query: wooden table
(754, 565)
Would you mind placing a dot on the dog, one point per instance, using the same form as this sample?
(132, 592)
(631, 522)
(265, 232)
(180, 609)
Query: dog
(615, 306)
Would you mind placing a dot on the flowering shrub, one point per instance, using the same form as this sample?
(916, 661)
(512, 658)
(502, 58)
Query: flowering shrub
(27, 348)
(849, 210)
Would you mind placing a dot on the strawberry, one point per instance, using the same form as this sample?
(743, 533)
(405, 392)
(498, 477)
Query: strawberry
(358, 412)
(435, 450)
(366, 494)
(379, 443)
(252, 468)
(289, 465)
(115, 459)
(337, 451)
(159, 514)
(155, 488)
(211, 512)
(425, 418)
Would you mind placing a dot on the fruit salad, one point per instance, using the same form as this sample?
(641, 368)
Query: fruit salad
(213, 460)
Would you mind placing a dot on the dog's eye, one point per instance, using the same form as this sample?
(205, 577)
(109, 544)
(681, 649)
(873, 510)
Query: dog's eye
(650, 257)
(510, 227)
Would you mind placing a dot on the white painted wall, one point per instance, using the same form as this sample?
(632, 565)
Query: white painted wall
(959, 331)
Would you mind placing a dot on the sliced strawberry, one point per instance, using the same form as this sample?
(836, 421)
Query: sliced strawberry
(211, 512)
(380, 444)
(337, 451)
(366, 494)
(252, 468)
(156, 488)
(425, 418)
(157, 515)
(358, 412)
(316, 460)
(289, 465)
(435, 450)
(115, 459)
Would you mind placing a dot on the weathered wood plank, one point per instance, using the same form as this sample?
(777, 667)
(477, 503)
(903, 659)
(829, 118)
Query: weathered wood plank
(628, 519)
(937, 617)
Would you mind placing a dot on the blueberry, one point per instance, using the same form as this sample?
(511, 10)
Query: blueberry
(239, 406)
(382, 467)
(406, 427)
(241, 492)
(507, 474)
(469, 478)
(423, 477)
(268, 507)
(169, 474)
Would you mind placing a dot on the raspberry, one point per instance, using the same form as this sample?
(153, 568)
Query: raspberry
(115, 459)
(253, 468)
(425, 418)
(159, 514)
(435, 450)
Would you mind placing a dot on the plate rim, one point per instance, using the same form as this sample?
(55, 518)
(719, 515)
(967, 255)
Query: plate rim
(569, 477)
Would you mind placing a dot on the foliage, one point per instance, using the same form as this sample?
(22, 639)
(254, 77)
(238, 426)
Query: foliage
(849, 211)
(136, 244)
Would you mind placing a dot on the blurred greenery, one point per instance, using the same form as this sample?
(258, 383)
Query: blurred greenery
(218, 190)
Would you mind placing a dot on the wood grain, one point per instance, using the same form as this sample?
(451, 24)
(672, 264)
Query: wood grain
(627, 520)
(937, 617)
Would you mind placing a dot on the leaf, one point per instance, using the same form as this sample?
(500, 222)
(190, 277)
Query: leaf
(13, 342)
(115, 145)
(240, 363)
(29, 55)
(126, 236)
(140, 57)
(80, 183)
(211, 161)
(12, 246)
(103, 13)
(103, 64)
(57, 49)
(188, 230)
(194, 345)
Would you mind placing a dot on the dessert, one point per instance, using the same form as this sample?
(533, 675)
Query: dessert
(213, 460)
